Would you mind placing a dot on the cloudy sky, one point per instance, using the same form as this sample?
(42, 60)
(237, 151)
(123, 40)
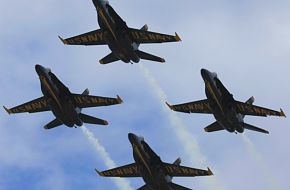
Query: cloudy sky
(247, 42)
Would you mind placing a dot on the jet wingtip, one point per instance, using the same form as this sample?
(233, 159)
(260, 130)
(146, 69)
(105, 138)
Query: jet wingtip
(102, 62)
(63, 40)
(178, 39)
(282, 113)
(46, 127)
(99, 173)
(7, 110)
(169, 105)
(119, 99)
(209, 171)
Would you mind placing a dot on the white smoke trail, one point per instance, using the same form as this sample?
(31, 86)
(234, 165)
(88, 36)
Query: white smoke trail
(122, 184)
(270, 179)
(188, 140)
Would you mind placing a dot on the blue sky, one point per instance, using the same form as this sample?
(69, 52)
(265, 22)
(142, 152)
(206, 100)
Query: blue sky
(246, 42)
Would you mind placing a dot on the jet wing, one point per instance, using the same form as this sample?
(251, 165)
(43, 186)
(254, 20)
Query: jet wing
(142, 37)
(95, 37)
(130, 170)
(182, 171)
(248, 109)
(37, 105)
(201, 106)
(84, 101)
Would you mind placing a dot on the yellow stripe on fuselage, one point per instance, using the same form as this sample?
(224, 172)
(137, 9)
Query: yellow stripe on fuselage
(101, 13)
(214, 95)
(45, 83)
(142, 158)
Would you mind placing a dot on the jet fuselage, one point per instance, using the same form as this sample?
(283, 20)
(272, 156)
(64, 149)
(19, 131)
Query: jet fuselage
(59, 97)
(221, 103)
(149, 164)
(116, 32)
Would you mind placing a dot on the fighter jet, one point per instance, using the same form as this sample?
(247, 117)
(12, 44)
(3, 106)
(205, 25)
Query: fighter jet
(122, 40)
(156, 174)
(228, 112)
(65, 105)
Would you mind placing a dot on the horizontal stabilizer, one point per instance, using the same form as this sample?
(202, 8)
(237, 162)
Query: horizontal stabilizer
(109, 59)
(201, 106)
(37, 105)
(54, 123)
(213, 127)
(144, 36)
(92, 120)
(253, 128)
(130, 170)
(248, 109)
(84, 101)
(95, 37)
(177, 187)
(147, 56)
(183, 171)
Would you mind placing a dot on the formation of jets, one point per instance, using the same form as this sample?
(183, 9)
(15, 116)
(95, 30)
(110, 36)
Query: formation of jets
(124, 43)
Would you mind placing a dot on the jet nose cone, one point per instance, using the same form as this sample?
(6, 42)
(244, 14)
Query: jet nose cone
(132, 137)
(205, 74)
(39, 68)
(204, 71)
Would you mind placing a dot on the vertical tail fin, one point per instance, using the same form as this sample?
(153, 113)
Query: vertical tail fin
(86, 92)
(249, 101)
(144, 28)
(177, 161)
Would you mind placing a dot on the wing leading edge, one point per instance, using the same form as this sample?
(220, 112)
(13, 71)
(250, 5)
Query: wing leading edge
(130, 170)
(142, 37)
(182, 171)
(248, 109)
(37, 105)
(95, 37)
(201, 106)
(84, 101)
